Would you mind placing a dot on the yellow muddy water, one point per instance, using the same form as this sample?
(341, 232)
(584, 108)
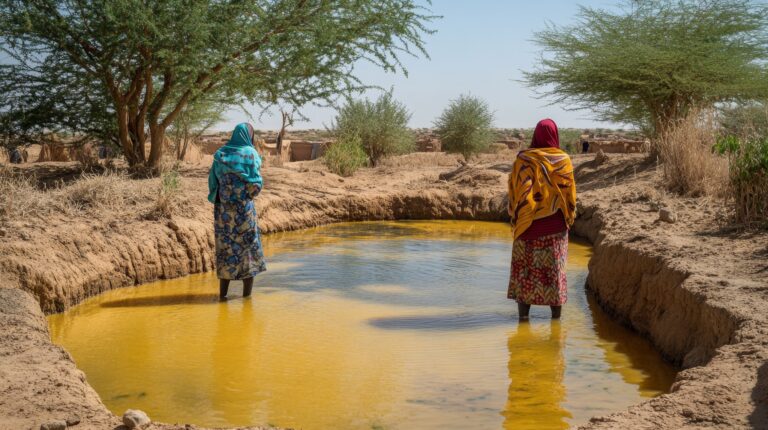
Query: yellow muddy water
(386, 325)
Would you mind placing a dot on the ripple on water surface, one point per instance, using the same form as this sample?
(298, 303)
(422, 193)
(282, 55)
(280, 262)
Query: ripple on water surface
(363, 326)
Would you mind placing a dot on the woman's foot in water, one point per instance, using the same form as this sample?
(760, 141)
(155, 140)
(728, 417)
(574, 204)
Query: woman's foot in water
(247, 287)
(556, 312)
(523, 310)
(223, 289)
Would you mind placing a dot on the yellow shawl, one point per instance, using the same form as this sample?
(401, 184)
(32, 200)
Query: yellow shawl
(541, 183)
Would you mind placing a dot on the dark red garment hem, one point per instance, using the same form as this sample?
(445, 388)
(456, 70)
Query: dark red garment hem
(545, 226)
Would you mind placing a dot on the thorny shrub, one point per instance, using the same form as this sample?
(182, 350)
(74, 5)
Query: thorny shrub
(345, 157)
(465, 125)
(381, 127)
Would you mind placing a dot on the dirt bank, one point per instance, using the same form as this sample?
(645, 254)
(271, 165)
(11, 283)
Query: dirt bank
(696, 287)
(693, 287)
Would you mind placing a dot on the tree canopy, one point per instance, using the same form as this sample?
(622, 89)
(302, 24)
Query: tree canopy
(650, 61)
(141, 63)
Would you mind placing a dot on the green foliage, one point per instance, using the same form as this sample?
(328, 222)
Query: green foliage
(193, 121)
(53, 97)
(167, 198)
(144, 62)
(727, 145)
(748, 160)
(465, 126)
(380, 126)
(747, 120)
(570, 139)
(345, 157)
(651, 61)
(170, 182)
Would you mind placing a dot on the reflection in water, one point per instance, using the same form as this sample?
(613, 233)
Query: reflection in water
(536, 366)
(233, 358)
(361, 326)
(440, 322)
(629, 355)
(166, 300)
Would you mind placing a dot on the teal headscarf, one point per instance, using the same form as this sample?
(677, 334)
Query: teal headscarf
(238, 156)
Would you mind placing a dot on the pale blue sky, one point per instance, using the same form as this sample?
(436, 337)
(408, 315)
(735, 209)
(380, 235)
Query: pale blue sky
(480, 47)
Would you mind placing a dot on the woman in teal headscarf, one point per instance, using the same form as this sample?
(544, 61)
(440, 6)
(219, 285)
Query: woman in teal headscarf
(233, 182)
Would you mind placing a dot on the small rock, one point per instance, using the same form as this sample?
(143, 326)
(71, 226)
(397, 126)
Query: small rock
(600, 157)
(54, 425)
(2, 232)
(173, 226)
(73, 421)
(24, 235)
(667, 215)
(134, 418)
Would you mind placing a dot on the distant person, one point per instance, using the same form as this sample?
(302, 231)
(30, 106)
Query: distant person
(16, 157)
(233, 182)
(584, 146)
(542, 207)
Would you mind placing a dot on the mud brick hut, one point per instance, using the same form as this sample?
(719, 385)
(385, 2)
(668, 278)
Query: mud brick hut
(429, 144)
(618, 146)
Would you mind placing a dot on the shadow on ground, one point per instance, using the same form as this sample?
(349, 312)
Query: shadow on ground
(758, 419)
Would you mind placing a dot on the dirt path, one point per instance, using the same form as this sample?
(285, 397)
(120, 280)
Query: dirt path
(696, 289)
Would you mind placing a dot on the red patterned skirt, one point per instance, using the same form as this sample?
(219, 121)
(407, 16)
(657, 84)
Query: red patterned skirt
(538, 270)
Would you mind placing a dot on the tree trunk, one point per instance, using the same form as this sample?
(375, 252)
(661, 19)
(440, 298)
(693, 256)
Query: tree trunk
(124, 136)
(139, 139)
(287, 120)
(157, 139)
(183, 149)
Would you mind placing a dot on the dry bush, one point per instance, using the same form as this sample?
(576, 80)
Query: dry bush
(495, 148)
(690, 166)
(19, 197)
(167, 200)
(113, 191)
(751, 198)
(87, 155)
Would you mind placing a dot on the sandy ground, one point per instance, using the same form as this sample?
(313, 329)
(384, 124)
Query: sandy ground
(697, 287)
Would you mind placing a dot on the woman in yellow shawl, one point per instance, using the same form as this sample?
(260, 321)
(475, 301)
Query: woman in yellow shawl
(542, 207)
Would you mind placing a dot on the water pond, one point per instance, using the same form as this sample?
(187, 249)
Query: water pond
(385, 325)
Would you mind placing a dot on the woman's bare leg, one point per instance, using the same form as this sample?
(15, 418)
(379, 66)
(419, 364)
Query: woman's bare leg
(556, 311)
(247, 286)
(523, 310)
(223, 288)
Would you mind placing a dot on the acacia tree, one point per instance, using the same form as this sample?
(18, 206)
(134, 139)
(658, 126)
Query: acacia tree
(651, 61)
(152, 59)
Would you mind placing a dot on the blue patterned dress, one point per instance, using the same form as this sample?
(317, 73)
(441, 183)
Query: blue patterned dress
(238, 241)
